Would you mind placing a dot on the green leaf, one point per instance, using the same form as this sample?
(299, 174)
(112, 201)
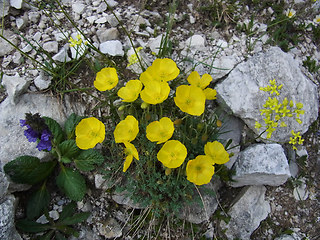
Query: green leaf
(38, 201)
(47, 236)
(86, 160)
(65, 160)
(59, 236)
(55, 129)
(28, 169)
(77, 218)
(70, 125)
(32, 226)
(68, 211)
(71, 183)
(69, 149)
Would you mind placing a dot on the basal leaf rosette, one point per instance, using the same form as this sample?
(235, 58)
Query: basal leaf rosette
(130, 92)
(162, 70)
(172, 154)
(106, 79)
(126, 130)
(131, 152)
(160, 131)
(89, 132)
(200, 170)
(216, 151)
(155, 92)
(190, 99)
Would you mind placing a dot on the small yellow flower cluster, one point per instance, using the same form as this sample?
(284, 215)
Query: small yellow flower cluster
(275, 111)
(75, 42)
(133, 58)
(296, 139)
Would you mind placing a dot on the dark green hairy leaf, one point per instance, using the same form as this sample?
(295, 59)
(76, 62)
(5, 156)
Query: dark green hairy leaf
(72, 183)
(28, 169)
(70, 125)
(55, 129)
(69, 148)
(86, 160)
(32, 226)
(38, 201)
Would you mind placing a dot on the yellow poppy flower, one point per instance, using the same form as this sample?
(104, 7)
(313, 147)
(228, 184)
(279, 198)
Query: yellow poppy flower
(190, 99)
(172, 154)
(210, 93)
(155, 92)
(164, 69)
(130, 92)
(160, 131)
(215, 150)
(126, 130)
(89, 132)
(106, 79)
(200, 170)
(131, 152)
(194, 79)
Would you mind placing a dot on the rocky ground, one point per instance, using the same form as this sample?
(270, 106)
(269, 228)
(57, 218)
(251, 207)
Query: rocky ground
(228, 35)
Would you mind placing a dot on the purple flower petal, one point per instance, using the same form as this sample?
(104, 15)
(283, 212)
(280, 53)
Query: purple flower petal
(31, 135)
(23, 123)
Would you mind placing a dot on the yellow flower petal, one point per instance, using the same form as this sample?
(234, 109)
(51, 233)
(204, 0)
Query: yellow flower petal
(160, 131)
(210, 93)
(106, 79)
(155, 92)
(172, 154)
(165, 69)
(190, 99)
(89, 132)
(127, 163)
(200, 170)
(126, 130)
(195, 80)
(130, 92)
(215, 150)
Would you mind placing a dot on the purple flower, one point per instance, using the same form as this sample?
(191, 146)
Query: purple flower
(30, 134)
(37, 130)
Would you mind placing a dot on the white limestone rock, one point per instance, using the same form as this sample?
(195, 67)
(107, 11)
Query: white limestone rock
(261, 164)
(4, 184)
(62, 55)
(16, 3)
(4, 6)
(43, 81)
(196, 41)
(5, 47)
(7, 211)
(78, 7)
(223, 65)
(110, 229)
(240, 90)
(15, 86)
(247, 211)
(51, 46)
(107, 34)
(154, 44)
(112, 47)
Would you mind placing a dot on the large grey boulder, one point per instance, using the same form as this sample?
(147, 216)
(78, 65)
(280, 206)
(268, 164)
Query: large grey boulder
(240, 90)
(4, 184)
(13, 143)
(7, 228)
(247, 211)
(261, 164)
